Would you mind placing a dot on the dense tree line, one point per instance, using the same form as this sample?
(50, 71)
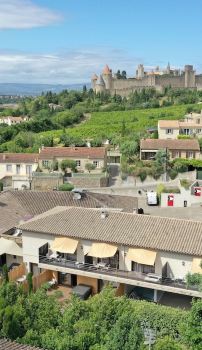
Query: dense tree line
(104, 322)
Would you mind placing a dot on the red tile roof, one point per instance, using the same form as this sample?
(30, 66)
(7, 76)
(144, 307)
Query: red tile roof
(73, 152)
(153, 144)
(19, 157)
(106, 70)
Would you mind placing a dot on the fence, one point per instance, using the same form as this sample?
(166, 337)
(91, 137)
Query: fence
(39, 280)
(17, 272)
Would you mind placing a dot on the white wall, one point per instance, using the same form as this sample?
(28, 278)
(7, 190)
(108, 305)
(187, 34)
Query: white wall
(178, 264)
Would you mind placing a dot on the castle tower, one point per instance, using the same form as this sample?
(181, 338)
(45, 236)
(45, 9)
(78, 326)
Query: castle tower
(140, 71)
(100, 85)
(168, 68)
(107, 77)
(189, 78)
(94, 79)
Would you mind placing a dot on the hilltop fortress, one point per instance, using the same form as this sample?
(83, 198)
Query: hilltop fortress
(159, 79)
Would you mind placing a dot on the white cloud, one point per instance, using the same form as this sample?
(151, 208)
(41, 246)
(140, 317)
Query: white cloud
(23, 14)
(68, 67)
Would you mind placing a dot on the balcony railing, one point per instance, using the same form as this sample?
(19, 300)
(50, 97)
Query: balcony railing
(107, 270)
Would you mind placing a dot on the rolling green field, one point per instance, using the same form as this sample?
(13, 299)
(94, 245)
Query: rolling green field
(108, 124)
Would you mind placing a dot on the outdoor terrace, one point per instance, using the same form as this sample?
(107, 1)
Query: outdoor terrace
(105, 272)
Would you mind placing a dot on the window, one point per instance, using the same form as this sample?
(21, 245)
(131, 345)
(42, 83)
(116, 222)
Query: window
(190, 154)
(175, 154)
(169, 131)
(45, 163)
(78, 163)
(28, 169)
(17, 169)
(96, 163)
(9, 168)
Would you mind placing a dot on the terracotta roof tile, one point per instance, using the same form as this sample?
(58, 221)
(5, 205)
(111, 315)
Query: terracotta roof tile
(106, 70)
(78, 152)
(168, 123)
(19, 157)
(154, 144)
(151, 232)
(17, 206)
(8, 345)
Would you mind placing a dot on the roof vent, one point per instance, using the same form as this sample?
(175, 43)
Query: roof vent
(77, 196)
(104, 214)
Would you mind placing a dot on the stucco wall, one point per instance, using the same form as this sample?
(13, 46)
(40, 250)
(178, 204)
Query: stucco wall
(4, 172)
(178, 264)
(162, 135)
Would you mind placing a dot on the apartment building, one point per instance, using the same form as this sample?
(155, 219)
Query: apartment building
(16, 168)
(81, 155)
(94, 247)
(187, 149)
(191, 125)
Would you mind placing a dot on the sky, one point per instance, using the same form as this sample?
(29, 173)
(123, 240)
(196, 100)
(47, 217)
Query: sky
(66, 41)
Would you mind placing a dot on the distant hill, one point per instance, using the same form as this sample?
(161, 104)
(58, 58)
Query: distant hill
(36, 89)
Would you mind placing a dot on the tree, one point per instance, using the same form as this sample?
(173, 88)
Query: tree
(30, 282)
(192, 330)
(68, 164)
(5, 273)
(129, 148)
(90, 167)
(167, 343)
(123, 75)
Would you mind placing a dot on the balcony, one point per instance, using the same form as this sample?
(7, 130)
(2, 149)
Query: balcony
(106, 272)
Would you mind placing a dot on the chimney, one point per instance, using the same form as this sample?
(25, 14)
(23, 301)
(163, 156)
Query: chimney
(88, 144)
(135, 210)
(4, 156)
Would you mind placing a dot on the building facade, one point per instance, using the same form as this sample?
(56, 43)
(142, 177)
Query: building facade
(16, 169)
(96, 156)
(191, 126)
(186, 149)
(94, 247)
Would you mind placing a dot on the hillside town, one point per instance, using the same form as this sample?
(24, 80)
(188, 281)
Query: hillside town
(100, 175)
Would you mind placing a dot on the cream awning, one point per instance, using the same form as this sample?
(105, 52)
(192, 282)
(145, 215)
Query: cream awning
(102, 250)
(64, 245)
(8, 246)
(196, 268)
(141, 256)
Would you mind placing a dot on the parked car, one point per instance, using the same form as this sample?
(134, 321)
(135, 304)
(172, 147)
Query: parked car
(152, 277)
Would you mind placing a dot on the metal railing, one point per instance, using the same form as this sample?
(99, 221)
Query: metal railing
(99, 268)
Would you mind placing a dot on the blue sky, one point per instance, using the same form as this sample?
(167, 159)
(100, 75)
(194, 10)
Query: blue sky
(65, 41)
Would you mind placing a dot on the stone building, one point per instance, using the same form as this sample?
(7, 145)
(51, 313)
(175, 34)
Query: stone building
(159, 79)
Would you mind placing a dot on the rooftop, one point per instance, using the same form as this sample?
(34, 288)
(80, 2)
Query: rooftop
(153, 144)
(106, 70)
(19, 157)
(78, 152)
(18, 206)
(142, 231)
(8, 345)
(168, 123)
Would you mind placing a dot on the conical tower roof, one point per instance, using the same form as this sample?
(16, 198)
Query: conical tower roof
(94, 77)
(106, 70)
(100, 81)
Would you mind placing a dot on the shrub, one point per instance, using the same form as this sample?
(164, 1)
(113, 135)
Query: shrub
(58, 294)
(90, 167)
(172, 174)
(30, 282)
(185, 183)
(143, 175)
(5, 273)
(66, 187)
